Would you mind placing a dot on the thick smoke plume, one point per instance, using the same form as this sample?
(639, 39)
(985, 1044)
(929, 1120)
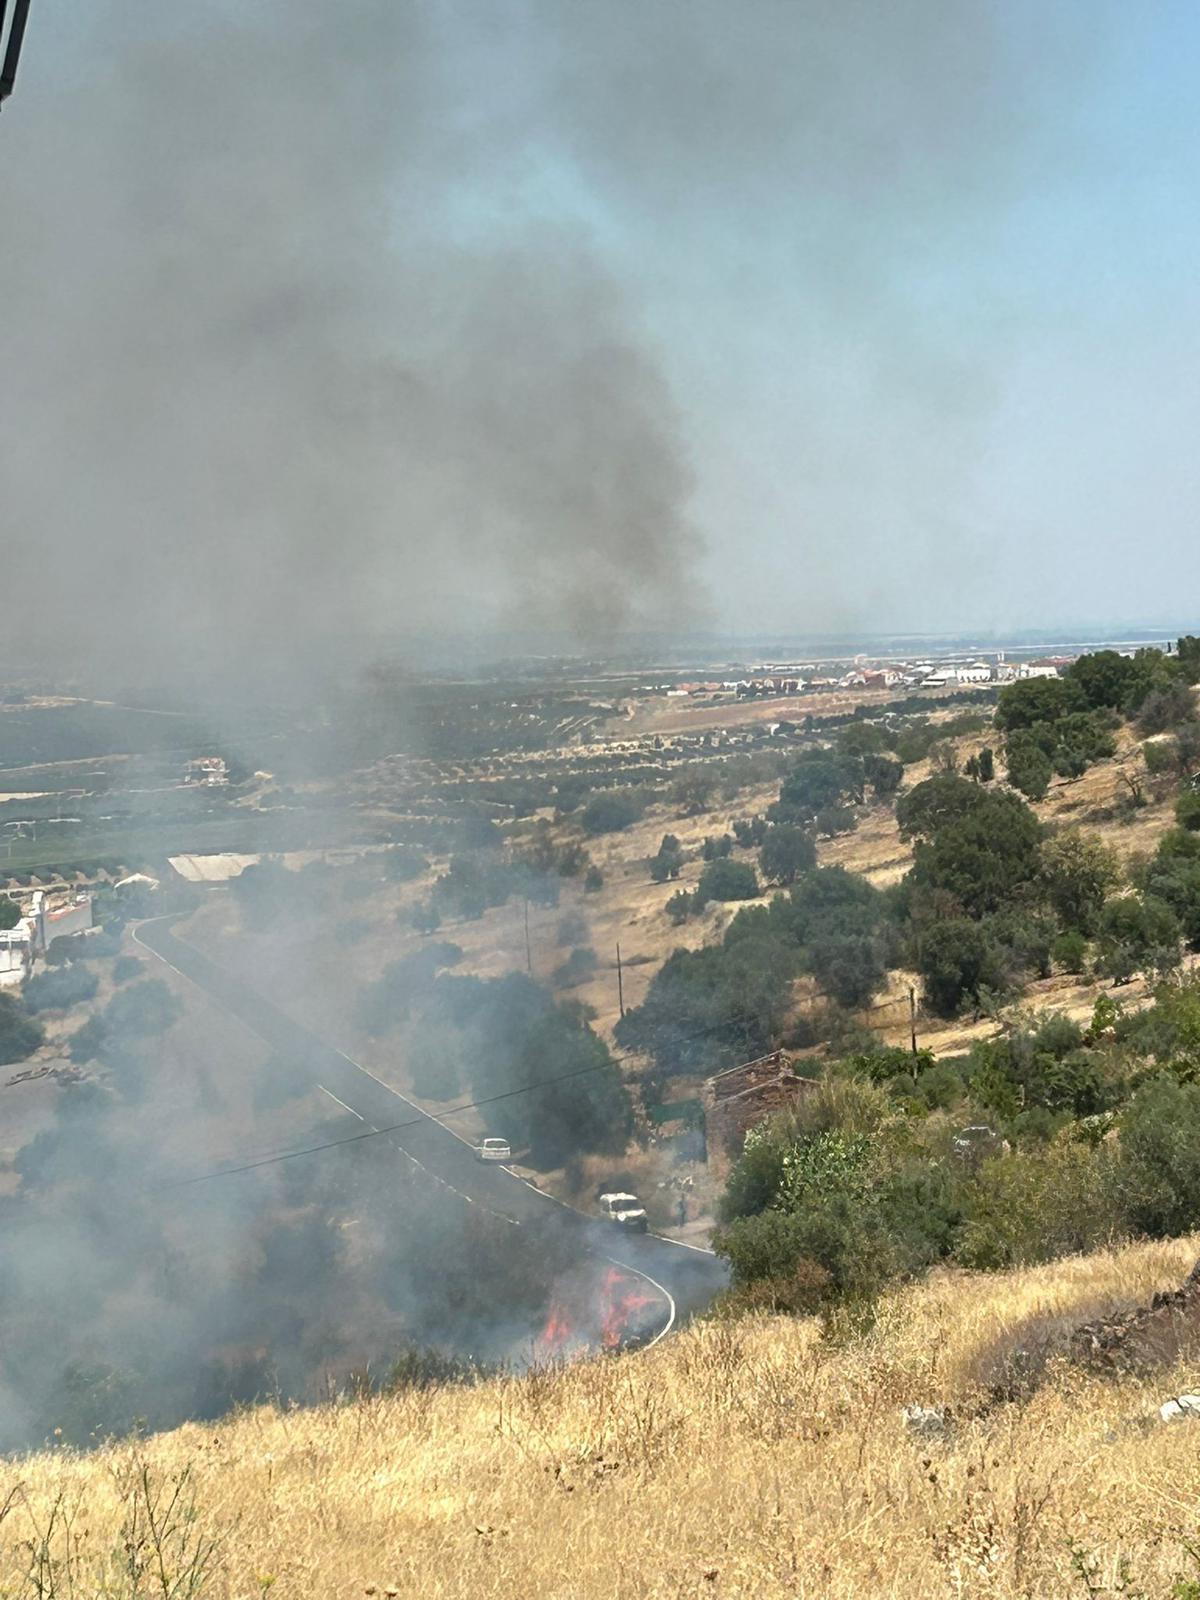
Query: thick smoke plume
(297, 360)
(327, 328)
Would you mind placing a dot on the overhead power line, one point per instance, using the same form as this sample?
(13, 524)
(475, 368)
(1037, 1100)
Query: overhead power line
(425, 1117)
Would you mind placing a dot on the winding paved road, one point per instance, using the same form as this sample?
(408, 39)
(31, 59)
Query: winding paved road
(686, 1276)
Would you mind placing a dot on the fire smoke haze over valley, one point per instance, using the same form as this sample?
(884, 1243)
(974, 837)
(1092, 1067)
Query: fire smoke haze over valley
(599, 799)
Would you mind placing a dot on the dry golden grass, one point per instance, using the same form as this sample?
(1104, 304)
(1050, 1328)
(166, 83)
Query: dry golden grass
(746, 1458)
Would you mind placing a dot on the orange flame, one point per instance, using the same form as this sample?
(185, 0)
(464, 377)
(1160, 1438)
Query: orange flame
(605, 1312)
(622, 1298)
(557, 1331)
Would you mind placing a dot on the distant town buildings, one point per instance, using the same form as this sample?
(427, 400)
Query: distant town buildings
(1040, 669)
(210, 771)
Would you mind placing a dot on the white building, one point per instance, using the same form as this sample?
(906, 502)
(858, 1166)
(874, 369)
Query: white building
(210, 771)
(978, 672)
(61, 922)
(16, 955)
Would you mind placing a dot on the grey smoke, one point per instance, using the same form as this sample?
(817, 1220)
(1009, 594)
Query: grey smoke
(334, 326)
(297, 359)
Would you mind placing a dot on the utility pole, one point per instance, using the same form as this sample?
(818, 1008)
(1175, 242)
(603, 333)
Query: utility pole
(912, 1018)
(620, 983)
(12, 52)
(528, 947)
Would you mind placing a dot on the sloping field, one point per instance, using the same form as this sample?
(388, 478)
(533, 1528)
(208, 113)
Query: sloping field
(749, 1459)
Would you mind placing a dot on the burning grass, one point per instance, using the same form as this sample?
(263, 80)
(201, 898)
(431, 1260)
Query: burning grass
(740, 1458)
(609, 1310)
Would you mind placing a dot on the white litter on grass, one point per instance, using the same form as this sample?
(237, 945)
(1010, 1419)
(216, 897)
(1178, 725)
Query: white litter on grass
(927, 1422)
(1180, 1409)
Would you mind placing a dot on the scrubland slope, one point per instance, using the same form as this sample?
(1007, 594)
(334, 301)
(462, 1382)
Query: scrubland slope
(739, 1458)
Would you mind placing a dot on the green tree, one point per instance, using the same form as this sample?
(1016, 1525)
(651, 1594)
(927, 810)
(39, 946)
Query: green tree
(578, 968)
(612, 811)
(1029, 767)
(425, 917)
(1185, 748)
(1078, 871)
(863, 1206)
(713, 1005)
(1070, 951)
(716, 847)
(933, 804)
(1034, 1206)
(818, 780)
(985, 857)
(1138, 933)
(59, 987)
(1168, 1031)
(727, 880)
(832, 821)
(864, 739)
(786, 852)
(883, 774)
(956, 959)
(93, 1402)
(1103, 677)
(693, 790)
(1187, 653)
(1024, 939)
(20, 1035)
(1173, 877)
(680, 907)
(10, 912)
(390, 998)
(850, 968)
(669, 860)
(1153, 672)
(1032, 700)
(1160, 1157)
(750, 831)
(552, 1081)
(1165, 707)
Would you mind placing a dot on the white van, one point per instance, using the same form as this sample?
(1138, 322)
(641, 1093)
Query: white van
(626, 1210)
(493, 1150)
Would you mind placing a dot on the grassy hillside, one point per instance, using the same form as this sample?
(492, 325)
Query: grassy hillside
(750, 1458)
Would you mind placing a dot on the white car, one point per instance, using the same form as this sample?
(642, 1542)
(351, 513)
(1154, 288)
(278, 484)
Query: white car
(626, 1210)
(493, 1150)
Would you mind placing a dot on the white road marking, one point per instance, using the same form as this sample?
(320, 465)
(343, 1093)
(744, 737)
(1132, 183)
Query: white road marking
(654, 1283)
(341, 1103)
(429, 1116)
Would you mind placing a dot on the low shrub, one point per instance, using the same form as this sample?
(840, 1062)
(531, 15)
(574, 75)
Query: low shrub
(727, 880)
(20, 1034)
(1032, 1206)
(579, 966)
(59, 987)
